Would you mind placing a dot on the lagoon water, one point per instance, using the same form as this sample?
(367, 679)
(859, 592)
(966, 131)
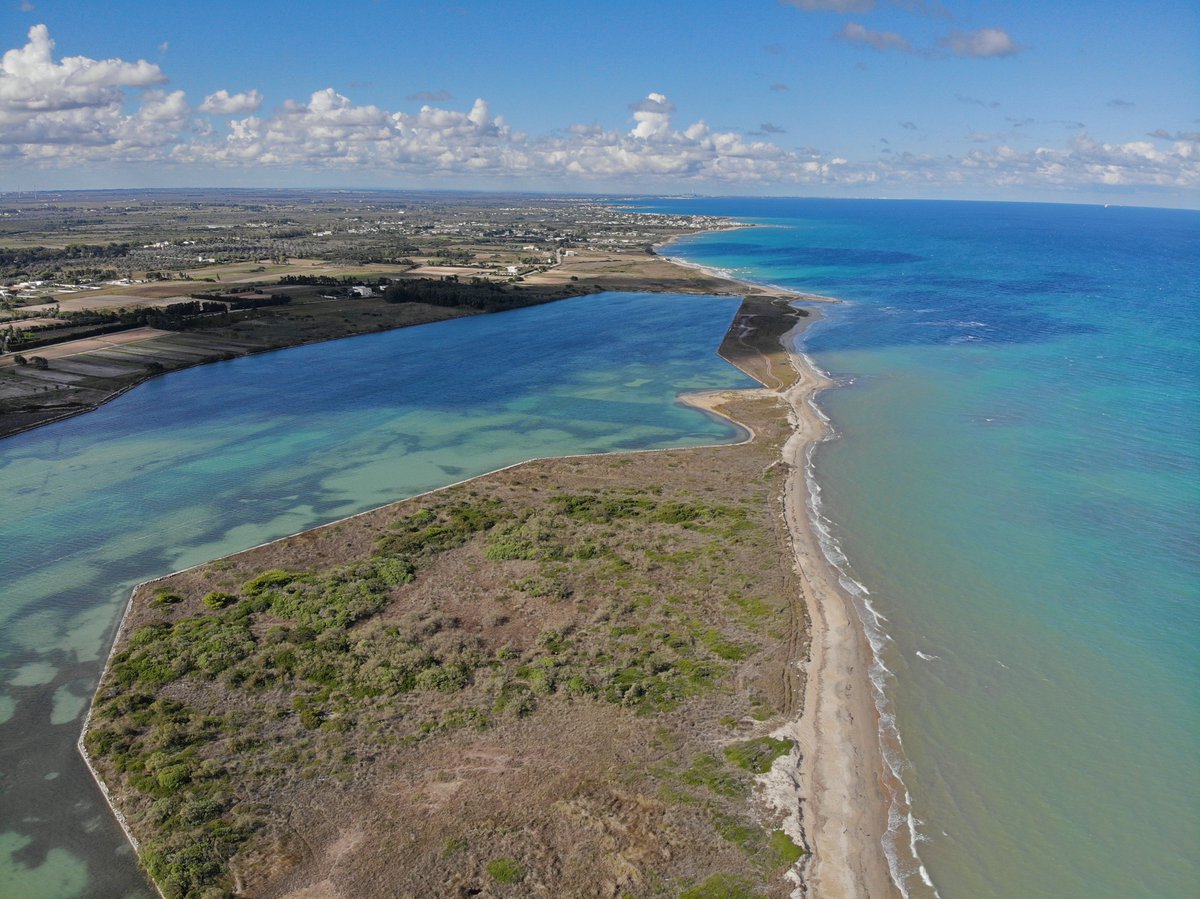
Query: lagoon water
(1016, 482)
(216, 459)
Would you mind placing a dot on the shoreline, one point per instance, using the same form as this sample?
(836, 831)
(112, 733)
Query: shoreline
(835, 789)
(725, 274)
(837, 779)
(831, 787)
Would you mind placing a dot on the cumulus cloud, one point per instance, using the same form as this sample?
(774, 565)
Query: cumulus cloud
(981, 44)
(75, 100)
(330, 130)
(854, 33)
(78, 111)
(225, 103)
(438, 96)
(653, 116)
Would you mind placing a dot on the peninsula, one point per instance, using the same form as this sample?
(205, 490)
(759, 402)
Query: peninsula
(609, 675)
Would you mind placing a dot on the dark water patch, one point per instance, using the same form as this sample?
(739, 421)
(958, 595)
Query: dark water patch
(983, 323)
(783, 255)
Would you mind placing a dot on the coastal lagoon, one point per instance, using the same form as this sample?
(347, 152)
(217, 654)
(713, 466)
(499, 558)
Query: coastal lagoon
(1016, 482)
(209, 461)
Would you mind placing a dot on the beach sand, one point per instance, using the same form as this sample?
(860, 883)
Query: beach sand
(833, 789)
(839, 781)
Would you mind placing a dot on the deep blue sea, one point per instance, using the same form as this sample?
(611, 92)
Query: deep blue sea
(1015, 484)
(209, 461)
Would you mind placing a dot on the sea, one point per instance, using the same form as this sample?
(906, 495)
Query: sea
(1012, 493)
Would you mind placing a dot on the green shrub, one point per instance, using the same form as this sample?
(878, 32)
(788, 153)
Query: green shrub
(706, 770)
(395, 572)
(165, 598)
(218, 600)
(722, 886)
(173, 777)
(268, 580)
(447, 679)
(506, 870)
(757, 756)
(784, 849)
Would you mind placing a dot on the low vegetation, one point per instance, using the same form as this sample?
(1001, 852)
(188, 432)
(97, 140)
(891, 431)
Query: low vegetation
(561, 678)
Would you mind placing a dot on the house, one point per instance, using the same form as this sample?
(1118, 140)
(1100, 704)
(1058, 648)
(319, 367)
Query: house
(361, 290)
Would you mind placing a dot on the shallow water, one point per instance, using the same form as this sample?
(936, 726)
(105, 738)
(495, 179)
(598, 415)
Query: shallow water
(212, 460)
(1016, 482)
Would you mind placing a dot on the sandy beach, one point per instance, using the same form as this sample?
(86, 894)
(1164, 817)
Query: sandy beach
(838, 784)
(833, 789)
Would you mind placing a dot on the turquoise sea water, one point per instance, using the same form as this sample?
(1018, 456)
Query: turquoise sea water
(216, 459)
(1016, 482)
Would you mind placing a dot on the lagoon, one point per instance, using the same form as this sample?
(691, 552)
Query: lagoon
(212, 460)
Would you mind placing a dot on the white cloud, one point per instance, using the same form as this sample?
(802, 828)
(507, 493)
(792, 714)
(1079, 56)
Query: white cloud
(31, 81)
(76, 100)
(653, 116)
(880, 40)
(980, 44)
(225, 103)
(76, 112)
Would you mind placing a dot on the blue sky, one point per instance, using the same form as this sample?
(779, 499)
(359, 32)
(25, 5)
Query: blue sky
(1070, 101)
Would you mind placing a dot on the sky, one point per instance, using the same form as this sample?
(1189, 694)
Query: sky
(1048, 100)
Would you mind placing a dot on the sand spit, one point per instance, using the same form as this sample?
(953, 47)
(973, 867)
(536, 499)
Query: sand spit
(832, 788)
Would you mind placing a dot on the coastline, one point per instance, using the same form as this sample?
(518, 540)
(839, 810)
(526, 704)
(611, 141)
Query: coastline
(725, 274)
(831, 787)
(836, 780)
(835, 789)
